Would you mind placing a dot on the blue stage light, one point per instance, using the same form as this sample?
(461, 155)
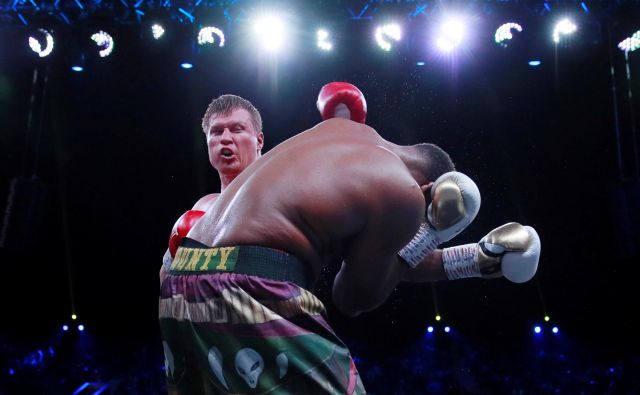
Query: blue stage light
(77, 69)
(65, 327)
(80, 327)
(11, 372)
(447, 329)
(186, 65)
(555, 329)
(430, 329)
(534, 63)
(420, 63)
(537, 329)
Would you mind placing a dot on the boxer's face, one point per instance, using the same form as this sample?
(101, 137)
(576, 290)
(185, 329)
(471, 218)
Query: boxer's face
(233, 142)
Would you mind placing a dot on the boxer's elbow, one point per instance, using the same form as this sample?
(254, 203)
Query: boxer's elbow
(351, 300)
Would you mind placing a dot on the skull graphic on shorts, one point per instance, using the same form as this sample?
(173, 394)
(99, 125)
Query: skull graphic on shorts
(249, 365)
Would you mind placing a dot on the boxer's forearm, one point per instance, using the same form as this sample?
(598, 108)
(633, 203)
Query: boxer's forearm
(430, 269)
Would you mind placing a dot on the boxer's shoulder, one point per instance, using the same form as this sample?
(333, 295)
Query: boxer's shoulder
(205, 202)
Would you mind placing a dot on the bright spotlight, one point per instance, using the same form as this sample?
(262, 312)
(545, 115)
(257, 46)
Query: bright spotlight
(564, 27)
(536, 63)
(555, 330)
(387, 33)
(73, 316)
(65, 327)
(157, 31)
(503, 33)
(430, 329)
(77, 69)
(323, 40)
(81, 327)
(104, 41)
(537, 329)
(36, 47)
(547, 318)
(630, 44)
(447, 329)
(186, 65)
(420, 63)
(438, 318)
(271, 31)
(207, 33)
(452, 33)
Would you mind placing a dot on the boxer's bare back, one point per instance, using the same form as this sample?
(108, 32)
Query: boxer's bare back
(324, 195)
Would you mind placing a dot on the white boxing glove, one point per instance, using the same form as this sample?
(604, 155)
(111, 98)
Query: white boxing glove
(455, 202)
(511, 250)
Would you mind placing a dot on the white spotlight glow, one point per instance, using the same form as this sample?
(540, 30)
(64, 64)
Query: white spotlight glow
(503, 33)
(564, 28)
(207, 36)
(271, 32)
(323, 40)
(37, 47)
(452, 33)
(387, 33)
(157, 31)
(104, 41)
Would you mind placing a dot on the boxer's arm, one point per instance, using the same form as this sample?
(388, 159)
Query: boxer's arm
(371, 268)
(430, 269)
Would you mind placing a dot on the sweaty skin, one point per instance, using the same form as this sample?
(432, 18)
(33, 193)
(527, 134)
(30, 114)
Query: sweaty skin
(336, 192)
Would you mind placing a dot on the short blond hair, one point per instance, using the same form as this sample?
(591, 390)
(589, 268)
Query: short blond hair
(225, 104)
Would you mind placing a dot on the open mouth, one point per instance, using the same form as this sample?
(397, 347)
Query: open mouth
(226, 152)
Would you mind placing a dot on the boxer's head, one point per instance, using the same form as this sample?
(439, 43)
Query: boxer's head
(225, 104)
(233, 128)
(429, 163)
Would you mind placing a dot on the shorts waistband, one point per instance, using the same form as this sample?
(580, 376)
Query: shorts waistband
(195, 257)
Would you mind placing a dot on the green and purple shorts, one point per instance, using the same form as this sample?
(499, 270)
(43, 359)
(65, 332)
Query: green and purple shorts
(238, 320)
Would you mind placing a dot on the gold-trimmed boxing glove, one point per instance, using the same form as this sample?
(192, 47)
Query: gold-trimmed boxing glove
(511, 250)
(455, 202)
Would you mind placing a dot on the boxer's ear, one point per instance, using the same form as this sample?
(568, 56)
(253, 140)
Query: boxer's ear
(426, 187)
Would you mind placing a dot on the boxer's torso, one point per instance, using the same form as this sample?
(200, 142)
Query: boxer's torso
(308, 196)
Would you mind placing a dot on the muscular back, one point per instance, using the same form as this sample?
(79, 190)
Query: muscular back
(315, 194)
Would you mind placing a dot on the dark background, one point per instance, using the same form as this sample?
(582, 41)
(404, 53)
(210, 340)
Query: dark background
(118, 154)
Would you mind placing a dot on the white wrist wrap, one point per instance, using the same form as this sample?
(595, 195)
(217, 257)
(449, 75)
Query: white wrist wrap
(422, 244)
(461, 261)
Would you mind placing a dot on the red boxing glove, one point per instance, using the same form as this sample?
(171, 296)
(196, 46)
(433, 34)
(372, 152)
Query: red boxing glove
(342, 100)
(183, 226)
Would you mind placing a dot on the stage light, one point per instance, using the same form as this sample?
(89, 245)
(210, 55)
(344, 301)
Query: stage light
(104, 41)
(630, 44)
(81, 327)
(387, 33)
(564, 28)
(547, 318)
(535, 63)
(157, 31)
(77, 69)
(11, 372)
(73, 316)
(447, 329)
(36, 47)
(451, 35)
(555, 330)
(206, 36)
(438, 318)
(537, 329)
(323, 40)
(503, 33)
(430, 329)
(186, 65)
(420, 63)
(270, 30)
(65, 327)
